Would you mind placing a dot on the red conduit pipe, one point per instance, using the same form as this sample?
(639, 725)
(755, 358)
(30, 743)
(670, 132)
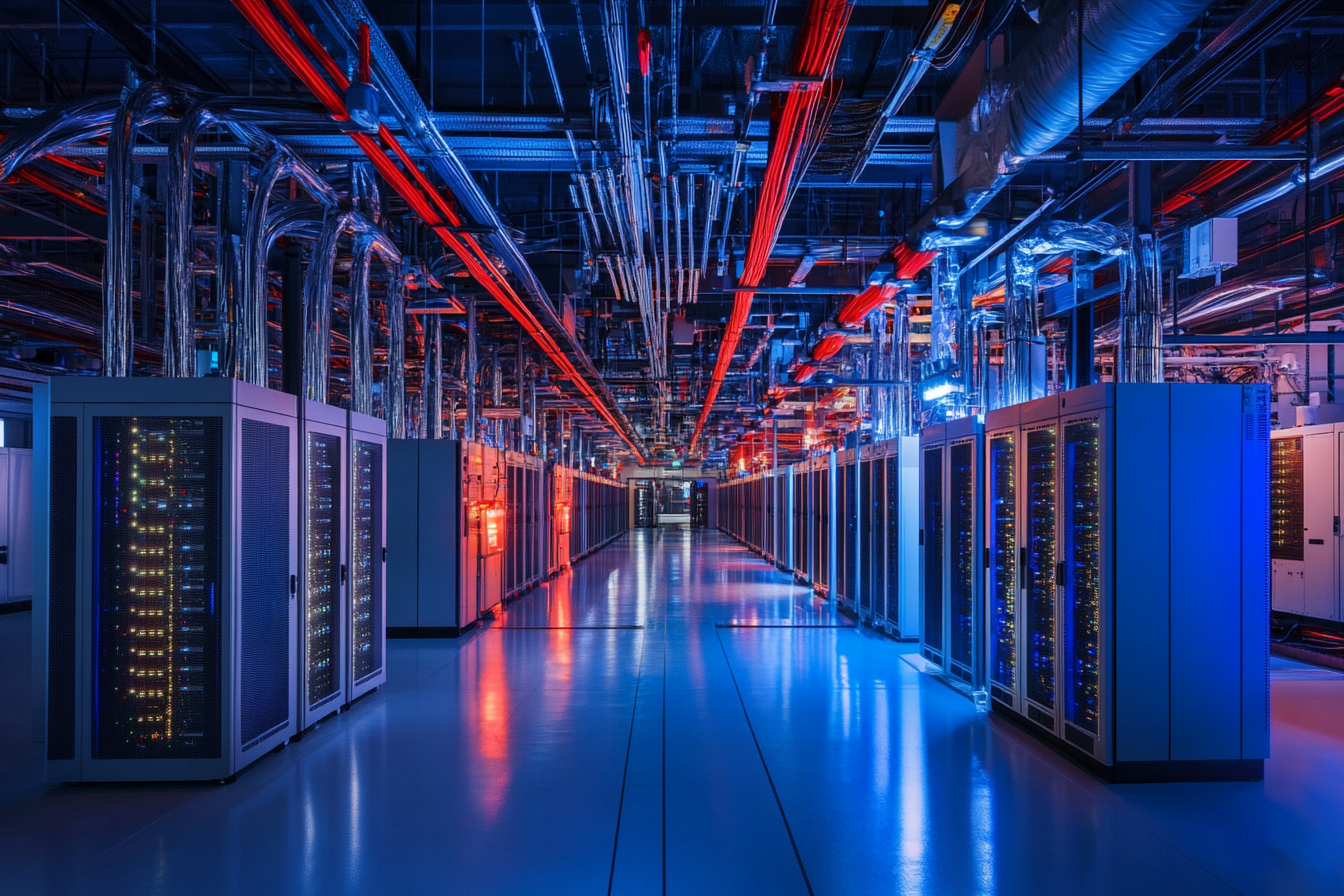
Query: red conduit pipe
(1325, 104)
(411, 184)
(814, 57)
(828, 346)
(853, 312)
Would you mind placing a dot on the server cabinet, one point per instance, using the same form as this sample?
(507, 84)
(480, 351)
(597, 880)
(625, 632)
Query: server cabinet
(1122, 521)
(169, 546)
(324, 528)
(523, 540)
(893, 537)
(699, 505)
(1304, 507)
(646, 510)
(951, 470)
(426, 540)
(869, 531)
(787, 519)
(16, 524)
(562, 482)
(846, 522)
(484, 495)
(366, 647)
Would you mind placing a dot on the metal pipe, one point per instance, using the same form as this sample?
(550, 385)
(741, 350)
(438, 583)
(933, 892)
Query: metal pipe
(1010, 126)
(433, 377)
(118, 342)
(395, 402)
(470, 372)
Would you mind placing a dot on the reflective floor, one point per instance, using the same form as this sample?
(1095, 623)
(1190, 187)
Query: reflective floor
(658, 721)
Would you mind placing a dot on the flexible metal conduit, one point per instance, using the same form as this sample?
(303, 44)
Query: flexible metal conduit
(534, 311)
(1140, 345)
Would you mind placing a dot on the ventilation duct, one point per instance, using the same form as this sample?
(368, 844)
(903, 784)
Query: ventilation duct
(1031, 105)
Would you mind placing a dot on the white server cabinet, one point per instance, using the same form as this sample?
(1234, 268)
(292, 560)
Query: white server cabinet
(890, 597)
(1304, 514)
(168, 552)
(324, 618)
(16, 524)
(1128, 576)
(426, 539)
(951, 606)
(366, 632)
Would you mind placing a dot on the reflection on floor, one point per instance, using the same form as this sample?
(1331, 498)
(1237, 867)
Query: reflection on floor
(654, 722)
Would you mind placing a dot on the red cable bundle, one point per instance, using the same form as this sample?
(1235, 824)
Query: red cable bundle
(1325, 104)
(800, 124)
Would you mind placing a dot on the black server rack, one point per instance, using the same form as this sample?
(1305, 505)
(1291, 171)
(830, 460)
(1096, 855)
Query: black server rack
(366, 647)
(324, 577)
(950, 510)
(699, 505)
(168, 562)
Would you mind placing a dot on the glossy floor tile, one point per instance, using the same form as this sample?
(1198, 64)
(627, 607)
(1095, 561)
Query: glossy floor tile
(675, 716)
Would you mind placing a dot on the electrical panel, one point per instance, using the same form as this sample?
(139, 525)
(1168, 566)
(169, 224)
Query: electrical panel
(1210, 247)
(167, 547)
(1127, 575)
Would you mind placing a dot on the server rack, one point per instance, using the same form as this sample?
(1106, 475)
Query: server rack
(646, 507)
(597, 510)
(562, 499)
(824, 530)
(524, 562)
(366, 647)
(802, 521)
(1129, 575)
(447, 525)
(1304, 509)
(889, 536)
(485, 496)
(324, 528)
(846, 521)
(16, 524)
(950, 520)
(168, 555)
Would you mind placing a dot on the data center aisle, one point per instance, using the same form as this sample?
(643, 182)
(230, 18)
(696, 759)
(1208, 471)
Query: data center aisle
(746, 739)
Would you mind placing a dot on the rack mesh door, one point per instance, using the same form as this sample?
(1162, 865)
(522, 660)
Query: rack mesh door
(264, 588)
(156, 588)
(1082, 564)
(323, 548)
(1001, 527)
(1040, 572)
(62, 573)
(366, 618)
(962, 532)
(933, 547)
(891, 550)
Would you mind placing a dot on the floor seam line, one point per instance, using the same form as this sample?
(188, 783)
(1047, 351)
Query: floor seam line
(625, 772)
(766, 768)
